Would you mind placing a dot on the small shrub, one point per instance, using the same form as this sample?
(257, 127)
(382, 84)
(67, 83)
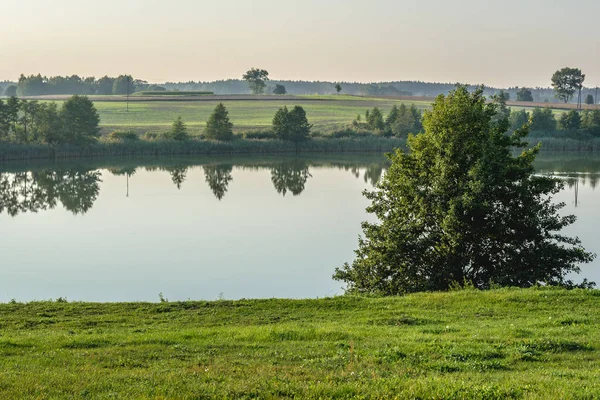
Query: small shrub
(123, 136)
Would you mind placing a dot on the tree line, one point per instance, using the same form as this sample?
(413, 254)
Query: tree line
(38, 85)
(29, 121)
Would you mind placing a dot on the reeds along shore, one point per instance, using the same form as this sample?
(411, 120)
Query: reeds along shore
(10, 152)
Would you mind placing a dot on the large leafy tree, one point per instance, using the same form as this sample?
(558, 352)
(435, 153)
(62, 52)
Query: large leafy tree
(291, 125)
(218, 126)
(79, 119)
(459, 207)
(524, 94)
(566, 82)
(123, 84)
(256, 79)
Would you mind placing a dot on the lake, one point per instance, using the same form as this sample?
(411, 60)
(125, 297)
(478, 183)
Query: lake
(208, 227)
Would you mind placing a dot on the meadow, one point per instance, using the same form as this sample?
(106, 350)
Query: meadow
(326, 113)
(538, 343)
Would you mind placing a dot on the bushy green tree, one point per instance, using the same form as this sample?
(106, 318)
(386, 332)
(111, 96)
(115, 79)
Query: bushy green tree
(570, 121)
(524, 94)
(105, 85)
(459, 207)
(590, 119)
(543, 120)
(518, 119)
(566, 82)
(10, 91)
(179, 130)
(589, 99)
(256, 79)
(218, 126)
(338, 88)
(291, 125)
(79, 120)
(123, 84)
(402, 121)
(375, 120)
(279, 89)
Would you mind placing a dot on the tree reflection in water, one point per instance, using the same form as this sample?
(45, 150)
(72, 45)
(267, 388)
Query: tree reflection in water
(76, 189)
(290, 176)
(218, 178)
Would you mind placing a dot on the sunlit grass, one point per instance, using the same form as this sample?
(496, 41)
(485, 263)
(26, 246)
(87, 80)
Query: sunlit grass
(532, 344)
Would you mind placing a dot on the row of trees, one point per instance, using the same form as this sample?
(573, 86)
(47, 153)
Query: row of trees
(291, 125)
(400, 122)
(37, 85)
(75, 122)
(544, 120)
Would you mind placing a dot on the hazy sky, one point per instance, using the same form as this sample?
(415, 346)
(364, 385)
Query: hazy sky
(500, 42)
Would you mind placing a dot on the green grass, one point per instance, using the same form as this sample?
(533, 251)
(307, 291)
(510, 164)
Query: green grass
(326, 113)
(529, 344)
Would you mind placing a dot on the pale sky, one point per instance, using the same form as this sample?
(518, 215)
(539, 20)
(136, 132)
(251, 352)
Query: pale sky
(498, 43)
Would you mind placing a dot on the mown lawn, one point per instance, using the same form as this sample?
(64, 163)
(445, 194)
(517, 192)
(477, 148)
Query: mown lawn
(324, 112)
(537, 343)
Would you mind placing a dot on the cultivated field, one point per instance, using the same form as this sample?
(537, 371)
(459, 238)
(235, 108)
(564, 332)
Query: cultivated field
(247, 112)
(501, 344)
(156, 114)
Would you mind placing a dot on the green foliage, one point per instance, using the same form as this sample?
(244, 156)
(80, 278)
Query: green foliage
(402, 121)
(375, 120)
(338, 88)
(570, 121)
(458, 207)
(79, 119)
(123, 136)
(566, 82)
(524, 94)
(218, 126)
(589, 99)
(518, 119)
(590, 119)
(542, 119)
(291, 125)
(178, 130)
(10, 91)
(123, 84)
(256, 79)
(279, 89)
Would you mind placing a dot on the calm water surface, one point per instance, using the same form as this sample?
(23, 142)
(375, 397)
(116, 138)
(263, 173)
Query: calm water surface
(204, 228)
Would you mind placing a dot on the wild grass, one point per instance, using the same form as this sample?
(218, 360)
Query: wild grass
(502, 344)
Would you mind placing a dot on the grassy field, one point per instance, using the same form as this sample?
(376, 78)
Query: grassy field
(501, 344)
(324, 112)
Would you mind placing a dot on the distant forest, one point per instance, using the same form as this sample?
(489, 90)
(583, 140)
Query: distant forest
(36, 85)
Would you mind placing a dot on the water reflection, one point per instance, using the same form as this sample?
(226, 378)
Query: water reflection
(218, 178)
(76, 189)
(290, 177)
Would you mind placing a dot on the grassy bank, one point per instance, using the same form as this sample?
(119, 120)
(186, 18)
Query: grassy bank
(105, 148)
(9, 152)
(530, 344)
